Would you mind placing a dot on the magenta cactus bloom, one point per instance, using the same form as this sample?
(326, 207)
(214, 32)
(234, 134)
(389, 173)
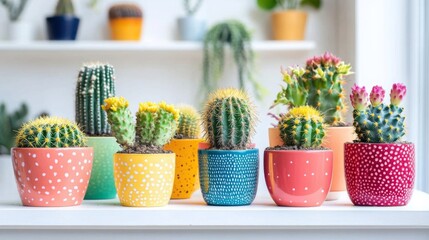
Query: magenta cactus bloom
(359, 98)
(397, 93)
(377, 95)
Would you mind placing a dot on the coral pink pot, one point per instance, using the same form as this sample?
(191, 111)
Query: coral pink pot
(52, 177)
(298, 178)
(379, 174)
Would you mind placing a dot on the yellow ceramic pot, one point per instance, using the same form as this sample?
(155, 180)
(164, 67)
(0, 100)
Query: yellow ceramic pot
(289, 25)
(144, 180)
(126, 29)
(186, 179)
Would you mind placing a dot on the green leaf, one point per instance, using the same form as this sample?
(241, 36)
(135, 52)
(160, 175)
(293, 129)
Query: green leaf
(267, 4)
(312, 3)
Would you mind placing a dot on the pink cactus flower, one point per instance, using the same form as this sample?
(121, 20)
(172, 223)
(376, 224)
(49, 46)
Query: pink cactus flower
(327, 58)
(397, 93)
(377, 95)
(359, 98)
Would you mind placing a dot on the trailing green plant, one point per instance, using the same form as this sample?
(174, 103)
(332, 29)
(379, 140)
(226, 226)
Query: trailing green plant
(96, 82)
(189, 123)
(319, 85)
(14, 10)
(64, 7)
(229, 119)
(155, 124)
(377, 122)
(125, 11)
(236, 35)
(10, 124)
(50, 132)
(288, 4)
(190, 8)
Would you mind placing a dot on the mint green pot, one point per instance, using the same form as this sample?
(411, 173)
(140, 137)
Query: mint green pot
(102, 183)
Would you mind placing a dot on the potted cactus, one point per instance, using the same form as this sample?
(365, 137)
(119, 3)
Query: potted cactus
(144, 172)
(96, 82)
(320, 85)
(379, 168)
(52, 165)
(125, 21)
(185, 146)
(229, 168)
(190, 27)
(299, 173)
(64, 24)
(19, 30)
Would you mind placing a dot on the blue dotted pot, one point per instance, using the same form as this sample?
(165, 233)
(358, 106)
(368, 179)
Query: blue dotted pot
(229, 177)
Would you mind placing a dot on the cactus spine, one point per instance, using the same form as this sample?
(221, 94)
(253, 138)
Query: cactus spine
(189, 123)
(229, 119)
(96, 82)
(50, 132)
(302, 127)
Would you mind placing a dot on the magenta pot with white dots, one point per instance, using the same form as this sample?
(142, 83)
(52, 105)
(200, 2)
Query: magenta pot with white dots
(52, 177)
(298, 178)
(379, 174)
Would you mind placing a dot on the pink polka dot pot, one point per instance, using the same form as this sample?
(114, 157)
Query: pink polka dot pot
(298, 178)
(379, 174)
(52, 177)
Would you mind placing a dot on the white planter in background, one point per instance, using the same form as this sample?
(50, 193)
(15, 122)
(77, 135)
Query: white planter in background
(8, 189)
(21, 31)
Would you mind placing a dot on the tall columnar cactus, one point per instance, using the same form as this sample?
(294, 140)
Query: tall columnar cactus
(189, 122)
(50, 132)
(377, 122)
(302, 127)
(229, 119)
(96, 82)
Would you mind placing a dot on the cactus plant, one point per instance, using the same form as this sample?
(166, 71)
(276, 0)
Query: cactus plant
(10, 124)
(288, 4)
(64, 7)
(229, 119)
(189, 123)
(377, 122)
(125, 11)
(302, 127)
(156, 123)
(14, 10)
(192, 9)
(50, 132)
(96, 82)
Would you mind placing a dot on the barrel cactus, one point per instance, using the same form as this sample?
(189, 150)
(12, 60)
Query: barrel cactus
(96, 82)
(377, 122)
(189, 123)
(125, 11)
(229, 119)
(302, 127)
(50, 132)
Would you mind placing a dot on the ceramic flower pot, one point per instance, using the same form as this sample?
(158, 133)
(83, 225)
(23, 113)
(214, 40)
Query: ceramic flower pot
(186, 179)
(191, 28)
(52, 177)
(379, 174)
(102, 183)
(289, 25)
(274, 137)
(228, 177)
(62, 27)
(144, 180)
(21, 31)
(298, 178)
(334, 140)
(126, 29)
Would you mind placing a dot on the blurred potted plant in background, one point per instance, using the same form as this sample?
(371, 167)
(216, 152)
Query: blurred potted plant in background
(125, 22)
(190, 27)
(289, 23)
(64, 24)
(18, 30)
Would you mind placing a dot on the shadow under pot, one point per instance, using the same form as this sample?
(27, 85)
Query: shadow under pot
(228, 177)
(380, 174)
(62, 27)
(298, 178)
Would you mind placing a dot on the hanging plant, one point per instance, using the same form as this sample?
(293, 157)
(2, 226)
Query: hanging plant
(234, 34)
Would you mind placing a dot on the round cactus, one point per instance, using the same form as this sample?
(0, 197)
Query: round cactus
(189, 122)
(302, 127)
(50, 132)
(125, 11)
(229, 119)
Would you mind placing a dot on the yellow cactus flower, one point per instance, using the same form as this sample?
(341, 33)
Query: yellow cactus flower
(114, 103)
(148, 107)
(305, 112)
(171, 109)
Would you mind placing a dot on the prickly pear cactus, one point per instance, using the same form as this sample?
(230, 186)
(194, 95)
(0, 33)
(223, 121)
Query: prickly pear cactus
(229, 119)
(189, 122)
(50, 132)
(303, 127)
(377, 122)
(96, 82)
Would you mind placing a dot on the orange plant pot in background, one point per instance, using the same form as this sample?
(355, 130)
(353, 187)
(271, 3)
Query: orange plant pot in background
(289, 25)
(274, 137)
(126, 29)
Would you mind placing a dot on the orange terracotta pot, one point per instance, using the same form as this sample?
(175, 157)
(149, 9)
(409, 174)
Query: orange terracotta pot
(289, 25)
(126, 29)
(335, 139)
(274, 137)
(52, 177)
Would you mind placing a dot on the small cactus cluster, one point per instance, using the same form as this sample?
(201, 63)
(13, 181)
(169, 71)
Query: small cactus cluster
(319, 85)
(302, 127)
(50, 132)
(64, 7)
(377, 122)
(125, 11)
(155, 123)
(96, 82)
(229, 119)
(10, 124)
(189, 123)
